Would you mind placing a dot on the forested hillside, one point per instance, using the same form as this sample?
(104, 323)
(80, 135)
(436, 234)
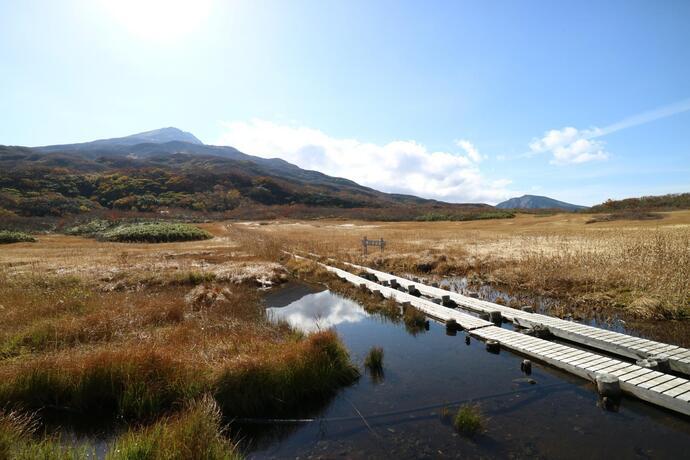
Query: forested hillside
(669, 202)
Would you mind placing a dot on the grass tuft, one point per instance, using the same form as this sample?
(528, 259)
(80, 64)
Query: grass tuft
(374, 360)
(469, 420)
(415, 320)
(196, 433)
(306, 374)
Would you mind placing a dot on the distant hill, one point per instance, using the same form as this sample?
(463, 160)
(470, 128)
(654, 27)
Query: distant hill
(537, 202)
(646, 203)
(157, 136)
(172, 171)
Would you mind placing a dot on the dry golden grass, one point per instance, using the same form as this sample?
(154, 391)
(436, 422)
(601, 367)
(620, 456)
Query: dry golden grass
(643, 267)
(137, 331)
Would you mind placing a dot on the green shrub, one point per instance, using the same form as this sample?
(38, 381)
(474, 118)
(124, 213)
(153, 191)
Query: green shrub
(469, 420)
(92, 228)
(7, 237)
(154, 232)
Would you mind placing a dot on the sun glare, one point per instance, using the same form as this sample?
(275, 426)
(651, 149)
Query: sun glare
(159, 20)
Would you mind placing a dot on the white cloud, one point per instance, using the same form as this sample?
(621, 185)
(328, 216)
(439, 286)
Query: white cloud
(570, 145)
(471, 151)
(396, 167)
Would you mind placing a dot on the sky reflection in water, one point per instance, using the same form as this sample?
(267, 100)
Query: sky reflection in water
(318, 311)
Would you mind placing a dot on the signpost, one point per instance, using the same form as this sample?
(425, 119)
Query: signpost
(367, 242)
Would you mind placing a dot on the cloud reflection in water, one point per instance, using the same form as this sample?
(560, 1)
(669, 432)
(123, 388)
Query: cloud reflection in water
(318, 311)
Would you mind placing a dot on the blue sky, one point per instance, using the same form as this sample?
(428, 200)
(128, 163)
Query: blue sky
(462, 101)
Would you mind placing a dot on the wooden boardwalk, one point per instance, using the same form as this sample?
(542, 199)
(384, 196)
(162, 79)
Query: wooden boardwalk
(428, 307)
(662, 389)
(656, 387)
(594, 337)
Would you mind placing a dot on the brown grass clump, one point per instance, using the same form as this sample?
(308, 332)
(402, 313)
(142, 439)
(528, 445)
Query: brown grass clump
(134, 383)
(415, 320)
(289, 380)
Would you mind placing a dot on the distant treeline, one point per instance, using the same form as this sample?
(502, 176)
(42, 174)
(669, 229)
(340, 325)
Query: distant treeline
(459, 217)
(669, 202)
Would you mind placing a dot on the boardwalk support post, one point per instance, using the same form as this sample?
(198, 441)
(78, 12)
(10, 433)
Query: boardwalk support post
(493, 346)
(608, 385)
(452, 327)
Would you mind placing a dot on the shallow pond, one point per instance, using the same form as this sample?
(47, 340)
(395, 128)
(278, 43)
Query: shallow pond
(401, 416)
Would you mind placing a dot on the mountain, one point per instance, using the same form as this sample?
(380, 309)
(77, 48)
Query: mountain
(537, 202)
(157, 136)
(169, 169)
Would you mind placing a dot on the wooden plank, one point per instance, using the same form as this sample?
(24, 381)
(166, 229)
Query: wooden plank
(640, 371)
(559, 353)
(578, 357)
(629, 368)
(589, 361)
(613, 367)
(555, 352)
(680, 389)
(662, 348)
(682, 356)
(546, 346)
(668, 385)
(642, 378)
(657, 381)
(602, 365)
(680, 353)
(632, 342)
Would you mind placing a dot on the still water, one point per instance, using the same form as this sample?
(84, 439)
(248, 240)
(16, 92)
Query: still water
(546, 415)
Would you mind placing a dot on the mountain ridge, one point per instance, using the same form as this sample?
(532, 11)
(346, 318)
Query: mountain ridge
(166, 172)
(156, 136)
(538, 202)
